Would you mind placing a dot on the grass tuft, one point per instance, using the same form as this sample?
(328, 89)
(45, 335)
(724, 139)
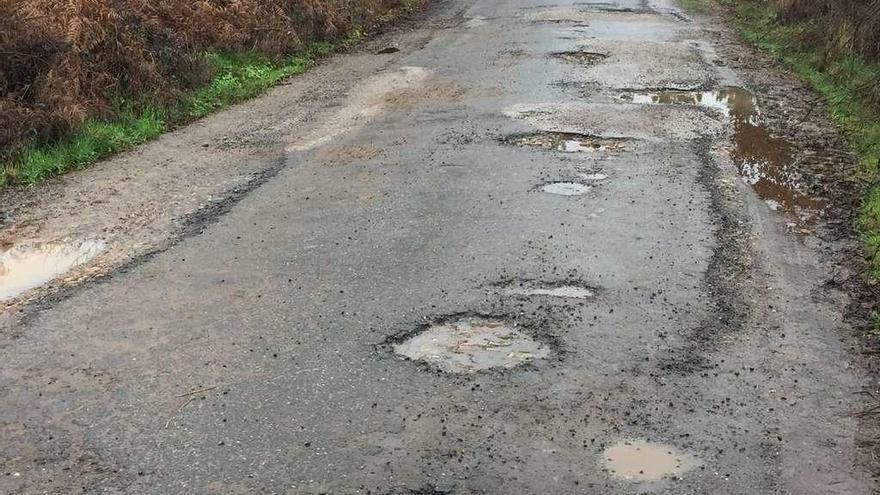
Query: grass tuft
(693, 5)
(238, 76)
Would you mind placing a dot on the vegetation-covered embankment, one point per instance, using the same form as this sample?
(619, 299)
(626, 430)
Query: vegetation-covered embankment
(80, 79)
(835, 46)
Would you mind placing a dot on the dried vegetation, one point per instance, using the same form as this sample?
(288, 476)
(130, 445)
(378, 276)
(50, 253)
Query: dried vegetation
(64, 62)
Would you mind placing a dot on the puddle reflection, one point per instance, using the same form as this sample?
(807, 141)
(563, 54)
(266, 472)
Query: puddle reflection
(26, 267)
(765, 162)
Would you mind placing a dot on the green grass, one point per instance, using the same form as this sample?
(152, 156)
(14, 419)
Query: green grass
(237, 77)
(842, 81)
(693, 5)
(95, 140)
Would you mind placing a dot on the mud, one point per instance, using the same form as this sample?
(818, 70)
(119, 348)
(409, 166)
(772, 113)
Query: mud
(640, 460)
(766, 162)
(29, 266)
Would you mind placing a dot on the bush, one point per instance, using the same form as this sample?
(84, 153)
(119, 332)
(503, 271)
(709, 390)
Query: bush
(846, 31)
(66, 62)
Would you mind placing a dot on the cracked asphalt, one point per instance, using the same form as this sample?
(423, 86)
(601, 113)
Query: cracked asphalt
(250, 350)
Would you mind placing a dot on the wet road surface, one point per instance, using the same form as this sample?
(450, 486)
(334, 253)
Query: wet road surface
(542, 251)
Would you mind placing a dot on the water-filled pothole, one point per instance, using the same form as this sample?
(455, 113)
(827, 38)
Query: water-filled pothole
(581, 58)
(470, 344)
(765, 161)
(640, 460)
(26, 267)
(566, 188)
(567, 142)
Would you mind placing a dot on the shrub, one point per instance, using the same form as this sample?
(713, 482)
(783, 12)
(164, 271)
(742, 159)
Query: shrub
(66, 62)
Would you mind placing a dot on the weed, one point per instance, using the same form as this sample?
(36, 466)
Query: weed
(238, 77)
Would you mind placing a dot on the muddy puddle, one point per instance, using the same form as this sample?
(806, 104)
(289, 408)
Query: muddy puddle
(640, 460)
(562, 291)
(471, 344)
(566, 188)
(581, 58)
(766, 162)
(566, 142)
(26, 267)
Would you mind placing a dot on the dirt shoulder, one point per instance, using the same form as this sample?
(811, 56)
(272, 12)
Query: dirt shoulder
(143, 201)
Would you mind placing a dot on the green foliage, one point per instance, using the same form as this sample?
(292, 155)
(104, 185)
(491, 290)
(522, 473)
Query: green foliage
(238, 76)
(241, 76)
(693, 5)
(96, 139)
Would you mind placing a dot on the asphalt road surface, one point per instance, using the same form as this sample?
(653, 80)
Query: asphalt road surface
(516, 256)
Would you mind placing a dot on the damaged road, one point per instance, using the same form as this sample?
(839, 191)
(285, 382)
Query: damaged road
(513, 248)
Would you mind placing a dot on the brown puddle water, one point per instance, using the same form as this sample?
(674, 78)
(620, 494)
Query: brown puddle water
(640, 460)
(26, 267)
(765, 161)
(472, 344)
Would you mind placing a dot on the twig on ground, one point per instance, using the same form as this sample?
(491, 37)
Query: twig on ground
(168, 423)
(197, 391)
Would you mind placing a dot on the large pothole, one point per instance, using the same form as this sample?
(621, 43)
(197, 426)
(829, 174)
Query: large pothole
(567, 142)
(581, 58)
(640, 460)
(28, 266)
(471, 344)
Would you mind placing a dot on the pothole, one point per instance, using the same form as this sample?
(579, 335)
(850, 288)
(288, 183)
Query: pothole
(640, 460)
(563, 16)
(471, 344)
(26, 267)
(566, 188)
(388, 49)
(563, 291)
(593, 177)
(567, 142)
(581, 58)
(766, 162)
